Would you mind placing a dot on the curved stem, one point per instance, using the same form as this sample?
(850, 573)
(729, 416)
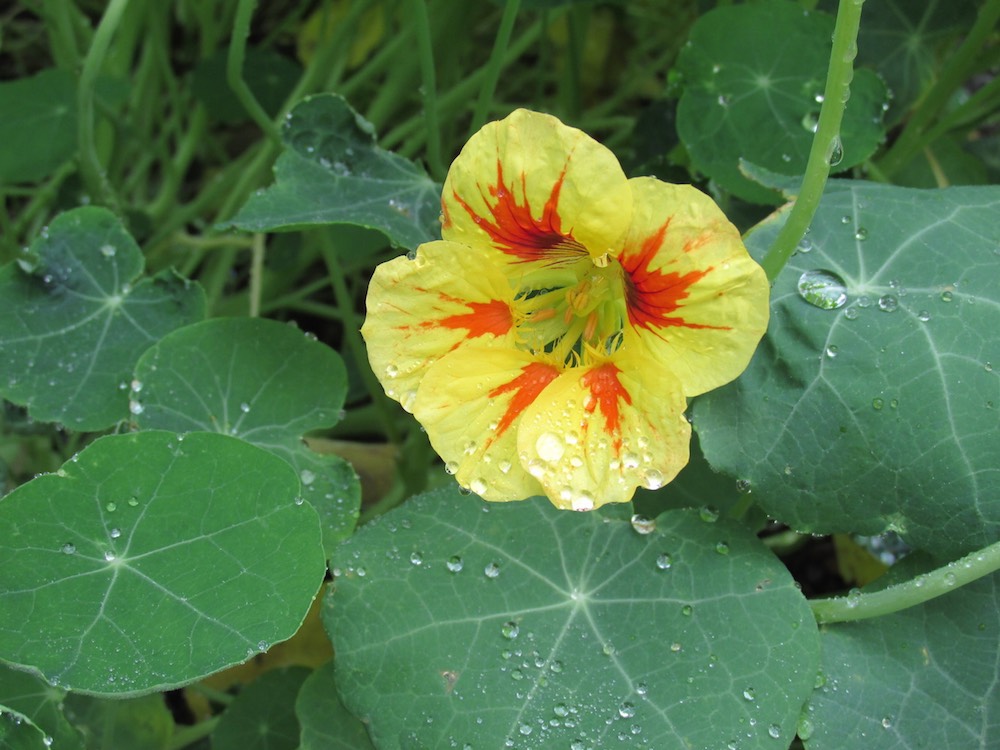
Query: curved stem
(425, 46)
(234, 71)
(826, 141)
(494, 65)
(859, 606)
(90, 164)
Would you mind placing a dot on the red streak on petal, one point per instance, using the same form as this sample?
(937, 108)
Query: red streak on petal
(532, 381)
(515, 231)
(652, 295)
(607, 393)
(492, 317)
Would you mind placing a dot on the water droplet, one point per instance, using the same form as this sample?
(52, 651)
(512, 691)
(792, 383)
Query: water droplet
(664, 561)
(810, 121)
(710, 514)
(823, 289)
(923, 316)
(451, 467)
(549, 447)
(877, 404)
(774, 731)
(743, 486)
(832, 351)
(861, 234)
(946, 296)
(478, 485)
(416, 558)
(888, 303)
(492, 570)
(307, 477)
(391, 371)
(133, 502)
(687, 610)
(245, 407)
(988, 367)
(675, 647)
(626, 710)
(652, 479)
(115, 533)
(886, 722)
(643, 525)
(454, 564)
(722, 548)
(724, 100)
(851, 313)
(510, 630)
(949, 579)
(68, 549)
(749, 694)
(135, 407)
(109, 556)
(805, 245)
(111, 507)
(835, 152)
(853, 598)
(805, 728)
(137, 386)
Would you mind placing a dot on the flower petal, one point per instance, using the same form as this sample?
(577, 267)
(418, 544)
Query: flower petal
(599, 432)
(538, 191)
(696, 299)
(421, 309)
(470, 402)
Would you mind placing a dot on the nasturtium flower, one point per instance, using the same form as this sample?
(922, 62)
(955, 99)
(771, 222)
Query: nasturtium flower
(550, 341)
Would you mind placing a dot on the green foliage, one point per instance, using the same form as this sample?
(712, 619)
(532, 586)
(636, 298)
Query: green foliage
(187, 406)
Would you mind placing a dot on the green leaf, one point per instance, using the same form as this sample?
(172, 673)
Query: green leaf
(924, 677)
(41, 703)
(152, 559)
(18, 732)
(38, 129)
(879, 412)
(331, 172)
(326, 724)
(456, 621)
(907, 43)
(141, 723)
(269, 75)
(263, 715)
(75, 317)
(263, 381)
(752, 74)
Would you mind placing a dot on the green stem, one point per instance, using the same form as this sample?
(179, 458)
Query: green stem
(234, 70)
(956, 71)
(859, 606)
(826, 142)
(256, 273)
(352, 336)
(425, 48)
(62, 37)
(185, 736)
(90, 165)
(494, 65)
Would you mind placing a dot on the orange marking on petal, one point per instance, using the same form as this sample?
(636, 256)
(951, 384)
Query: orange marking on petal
(486, 317)
(652, 295)
(607, 392)
(532, 381)
(515, 231)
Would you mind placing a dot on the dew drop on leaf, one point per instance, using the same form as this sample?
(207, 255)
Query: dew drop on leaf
(664, 561)
(823, 289)
(492, 570)
(68, 549)
(510, 630)
(454, 564)
(642, 524)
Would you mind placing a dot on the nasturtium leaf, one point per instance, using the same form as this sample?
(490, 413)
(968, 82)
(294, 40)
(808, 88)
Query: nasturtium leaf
(75, 316)
(873, 402)
(263, 381)
(326, 724)
(908, 43)
(332, 172)
(753, 78)
(18, 732)
(41, 703)
(152, 559)
(38, 128)
(459, 622)
(269, 75)
(925, 677)
(142, 723)
(263, 715)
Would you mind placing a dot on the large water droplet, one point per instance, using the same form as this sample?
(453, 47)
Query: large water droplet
(549, 447)
(823, 289)
(642, 524)
(664, 561)
(454, 564)
(835, 152)
(492, 570)
(888, 303)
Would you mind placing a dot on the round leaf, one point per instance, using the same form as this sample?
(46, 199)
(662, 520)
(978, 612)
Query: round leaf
(152, 559)
(326, 724)
(41, 703)
(263, 715)
(753, 83)
(459, 622)
(873, 401)
(74, 324)
(259, 380)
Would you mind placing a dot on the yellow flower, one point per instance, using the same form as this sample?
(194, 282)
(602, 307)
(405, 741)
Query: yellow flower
(549, 342)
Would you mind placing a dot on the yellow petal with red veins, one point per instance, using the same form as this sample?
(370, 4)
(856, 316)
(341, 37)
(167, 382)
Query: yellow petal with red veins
(601, 431)
(540, 192)
(471, 402)
(696, 300)
(420, 310)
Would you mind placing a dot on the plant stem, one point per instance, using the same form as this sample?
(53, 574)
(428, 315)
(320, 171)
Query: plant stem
(927, 586)
(90, 165)
(184, 736)
(234, 70)
(827, 138)
(956, 71)
(256, 272)
(425, 47)
(494, 65)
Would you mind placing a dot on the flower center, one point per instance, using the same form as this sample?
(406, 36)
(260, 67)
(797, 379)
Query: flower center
(579, 316)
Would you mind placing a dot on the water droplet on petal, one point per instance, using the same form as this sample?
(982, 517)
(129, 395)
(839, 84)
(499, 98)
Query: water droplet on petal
(823, 289)
(549, 447)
